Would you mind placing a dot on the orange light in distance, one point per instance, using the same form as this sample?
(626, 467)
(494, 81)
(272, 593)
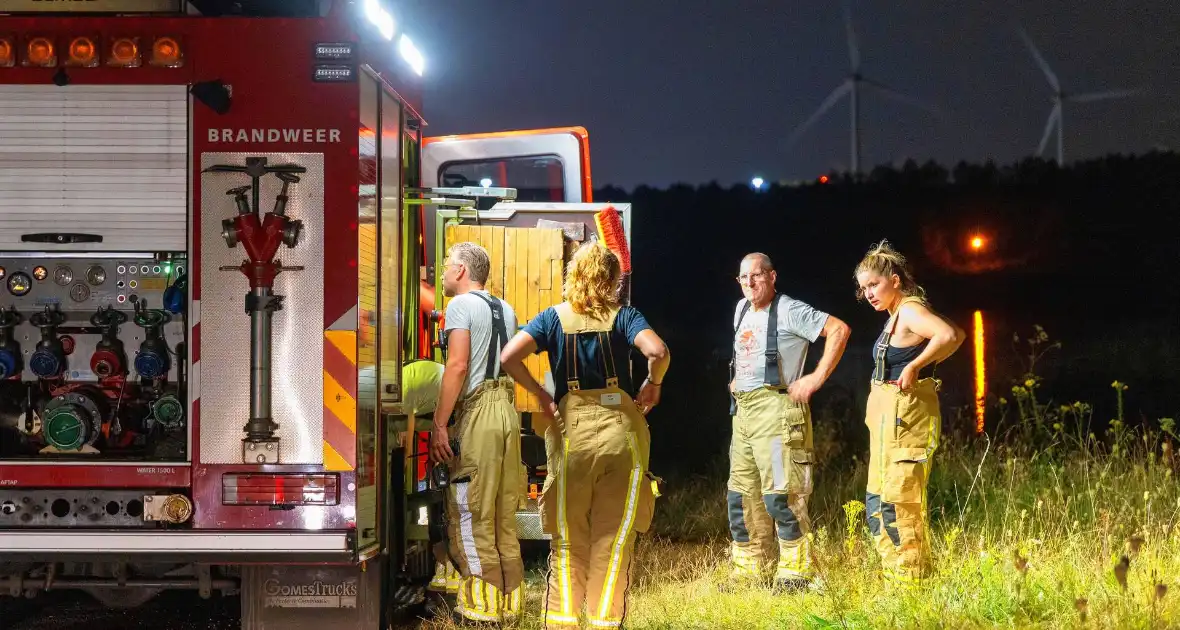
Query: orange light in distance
(41, 53)
(7, 53)
(124, 53)
(166, 52)
(823, 179)
(980, 374)
(82, 52)
(977, 243)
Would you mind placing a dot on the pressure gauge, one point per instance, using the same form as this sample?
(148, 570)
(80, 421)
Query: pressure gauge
(79, 292)
(63, 275)
(19, 284)
(40, 273)
(96, 275)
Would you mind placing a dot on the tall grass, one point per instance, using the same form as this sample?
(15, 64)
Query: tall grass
(1020, 538)
(1040, 524)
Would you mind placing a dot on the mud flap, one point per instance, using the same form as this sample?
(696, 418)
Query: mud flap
(312, 597)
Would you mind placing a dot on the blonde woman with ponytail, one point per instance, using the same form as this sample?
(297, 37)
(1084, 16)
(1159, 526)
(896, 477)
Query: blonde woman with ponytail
(903, 414)
(598, 493)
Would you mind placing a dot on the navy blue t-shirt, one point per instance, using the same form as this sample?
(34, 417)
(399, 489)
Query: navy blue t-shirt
(546, 330)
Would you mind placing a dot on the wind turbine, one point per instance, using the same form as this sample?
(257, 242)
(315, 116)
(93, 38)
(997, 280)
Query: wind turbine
(1060, 96)
(851, 87)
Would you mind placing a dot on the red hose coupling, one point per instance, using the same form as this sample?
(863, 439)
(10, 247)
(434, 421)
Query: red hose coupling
(105, 363)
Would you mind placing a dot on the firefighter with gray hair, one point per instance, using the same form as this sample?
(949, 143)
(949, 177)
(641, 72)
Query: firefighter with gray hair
(771, 452)
(483, 489)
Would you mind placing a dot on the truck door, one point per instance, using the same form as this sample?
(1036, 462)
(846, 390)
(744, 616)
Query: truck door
(550, 171)
(541, 164)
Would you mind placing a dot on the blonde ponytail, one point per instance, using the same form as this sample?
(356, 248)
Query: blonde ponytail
(882, 259)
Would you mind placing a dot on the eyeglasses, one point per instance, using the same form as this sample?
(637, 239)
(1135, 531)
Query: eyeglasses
(747, 278)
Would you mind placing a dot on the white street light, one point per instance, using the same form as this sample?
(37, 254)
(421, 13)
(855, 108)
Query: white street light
(411, 55)
(380, 18)
(757, 183)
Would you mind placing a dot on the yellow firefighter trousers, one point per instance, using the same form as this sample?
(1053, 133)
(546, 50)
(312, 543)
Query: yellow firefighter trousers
(904, 429)
(597, 497)
(770, 481)
(482, 498)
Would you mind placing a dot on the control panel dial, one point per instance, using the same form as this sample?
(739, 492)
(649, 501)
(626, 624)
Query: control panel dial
(19, 284)
(96, 275)
(79, 292)
(63, 275)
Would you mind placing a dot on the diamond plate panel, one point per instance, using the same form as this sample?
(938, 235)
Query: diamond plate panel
(528, 526)
(298, 354)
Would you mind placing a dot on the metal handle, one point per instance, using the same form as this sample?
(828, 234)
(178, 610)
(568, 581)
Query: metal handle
(280, 268)
(61, 237)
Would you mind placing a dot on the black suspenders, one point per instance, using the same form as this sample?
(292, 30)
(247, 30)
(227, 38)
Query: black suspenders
(881, 349)
(573, 378)
(499, 336)
(772, 378)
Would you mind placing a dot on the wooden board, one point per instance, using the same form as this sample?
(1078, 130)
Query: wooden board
(527, 265)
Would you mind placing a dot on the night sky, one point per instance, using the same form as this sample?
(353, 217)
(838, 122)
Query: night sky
(699, 90)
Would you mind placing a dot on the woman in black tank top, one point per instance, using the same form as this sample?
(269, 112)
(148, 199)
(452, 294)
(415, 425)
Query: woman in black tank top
(915, 338)
(902, 414)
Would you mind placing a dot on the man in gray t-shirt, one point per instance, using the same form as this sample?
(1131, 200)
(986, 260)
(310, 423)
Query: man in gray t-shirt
(770, 455)
(485, 476)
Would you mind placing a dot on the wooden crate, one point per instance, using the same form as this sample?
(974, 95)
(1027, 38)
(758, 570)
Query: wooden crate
(527, 266)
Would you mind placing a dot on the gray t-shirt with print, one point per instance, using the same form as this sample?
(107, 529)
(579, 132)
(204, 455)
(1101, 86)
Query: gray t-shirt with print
(799, 325)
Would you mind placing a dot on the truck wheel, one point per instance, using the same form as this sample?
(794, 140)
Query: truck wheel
(123, 598)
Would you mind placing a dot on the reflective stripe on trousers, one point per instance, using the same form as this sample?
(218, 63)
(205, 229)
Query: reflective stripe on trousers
(598, 496)
(770, 482)
(904, 429)
(482, 499)
(481, 601)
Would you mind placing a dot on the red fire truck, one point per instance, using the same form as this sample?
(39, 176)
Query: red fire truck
(218, 223)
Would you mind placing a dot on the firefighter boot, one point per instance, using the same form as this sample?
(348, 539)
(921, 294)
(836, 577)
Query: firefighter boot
(443, 589)
(597, 498)
(904, 432)
(482, 498)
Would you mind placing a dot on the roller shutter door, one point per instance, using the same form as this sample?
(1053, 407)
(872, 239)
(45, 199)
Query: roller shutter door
(108, 161)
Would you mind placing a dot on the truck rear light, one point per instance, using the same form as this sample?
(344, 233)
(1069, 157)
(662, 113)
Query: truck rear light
(7, 52)
(280, 489)
(82, 53)
(40, 52)
(166, 52)
(123, 52)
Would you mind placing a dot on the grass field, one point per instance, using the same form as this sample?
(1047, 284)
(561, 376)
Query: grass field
(1021, 538)
(1039, 524)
